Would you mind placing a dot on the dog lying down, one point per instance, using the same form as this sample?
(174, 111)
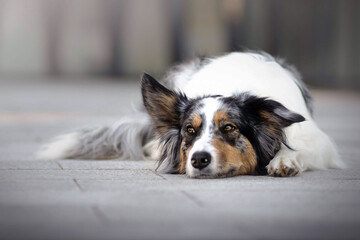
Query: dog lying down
(241, 113)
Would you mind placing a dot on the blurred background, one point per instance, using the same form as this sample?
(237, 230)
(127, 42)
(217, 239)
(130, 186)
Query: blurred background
(69, 64)
(64, 38)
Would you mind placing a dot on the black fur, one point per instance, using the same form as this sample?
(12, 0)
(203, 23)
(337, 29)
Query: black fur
(264, 133)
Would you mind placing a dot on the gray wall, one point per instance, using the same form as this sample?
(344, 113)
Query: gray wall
(109, 37)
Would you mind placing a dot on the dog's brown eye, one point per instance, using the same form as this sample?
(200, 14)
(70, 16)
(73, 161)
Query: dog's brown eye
(229, 128)
(190, 130)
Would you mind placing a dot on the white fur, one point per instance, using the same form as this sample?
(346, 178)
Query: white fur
(242, 72)
(59, 148)
(262, 76)
(123, 139)
(211, 105)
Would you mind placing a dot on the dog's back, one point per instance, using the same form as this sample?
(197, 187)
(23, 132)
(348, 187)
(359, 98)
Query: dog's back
(257, 73)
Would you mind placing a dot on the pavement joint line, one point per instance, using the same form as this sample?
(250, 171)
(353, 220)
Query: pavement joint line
(157, 174)
(72, 169)
(78, 185)
(193, 198)
(99, 214)
(77, 169)
(188, 195)
(348, 179)
(61, 167)
(28, 169)
(106, 169)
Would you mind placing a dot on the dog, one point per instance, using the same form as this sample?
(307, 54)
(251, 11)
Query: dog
(243, 113)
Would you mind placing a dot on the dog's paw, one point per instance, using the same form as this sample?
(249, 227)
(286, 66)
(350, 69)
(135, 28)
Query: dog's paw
(283, 167)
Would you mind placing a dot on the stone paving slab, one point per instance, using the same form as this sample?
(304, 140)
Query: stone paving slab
(107, 164)
(47, 222)
(263, 184)
(217, 222)
(28, 165)
(73, 199)
(31, 186)
(78, 174)
(130, 185)
(145, 199)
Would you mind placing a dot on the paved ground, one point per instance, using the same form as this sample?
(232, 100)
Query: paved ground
(127, 200)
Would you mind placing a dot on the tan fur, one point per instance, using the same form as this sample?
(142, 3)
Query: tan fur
(244, 161)
(229, 157)
(165, 107)
(271, 122)
(183, 158)
(220, 116)
(196, 121)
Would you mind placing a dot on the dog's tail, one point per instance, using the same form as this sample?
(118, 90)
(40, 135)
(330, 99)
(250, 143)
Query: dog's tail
(124, 139)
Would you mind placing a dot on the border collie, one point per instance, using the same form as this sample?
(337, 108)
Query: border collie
(241, 113)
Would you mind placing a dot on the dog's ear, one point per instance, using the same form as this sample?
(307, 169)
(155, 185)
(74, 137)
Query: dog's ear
(163, 105)
(281, 114)
(270, 112)
(165, 108)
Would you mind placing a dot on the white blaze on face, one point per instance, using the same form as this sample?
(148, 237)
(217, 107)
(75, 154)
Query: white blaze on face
(204, 141)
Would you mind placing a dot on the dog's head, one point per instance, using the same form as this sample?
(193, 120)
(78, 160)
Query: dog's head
(216, 136)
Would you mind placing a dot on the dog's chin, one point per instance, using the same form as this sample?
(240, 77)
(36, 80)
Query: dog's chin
(209, 174)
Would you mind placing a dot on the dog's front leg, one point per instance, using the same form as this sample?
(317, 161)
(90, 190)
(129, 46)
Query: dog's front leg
(311, 149)
(285, 163)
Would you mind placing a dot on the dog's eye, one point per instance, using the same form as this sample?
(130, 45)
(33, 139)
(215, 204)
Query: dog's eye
(229, 128)
(190, 130)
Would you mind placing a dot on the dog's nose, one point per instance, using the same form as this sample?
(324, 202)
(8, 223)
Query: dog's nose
(200, 160)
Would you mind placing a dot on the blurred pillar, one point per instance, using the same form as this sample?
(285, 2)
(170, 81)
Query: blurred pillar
(259, 30)
(177, 30)
(53, 14)
(234, 16)
(114, 11)
(22, 38)
(204, 29)
(84, 42)
(145, 36)
(300, 26)
(347, 43)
